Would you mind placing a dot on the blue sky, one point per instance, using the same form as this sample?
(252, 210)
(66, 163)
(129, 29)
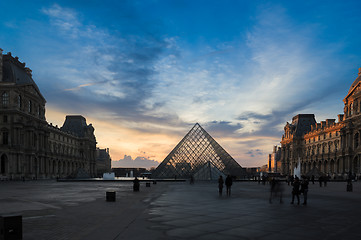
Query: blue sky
(144, 72)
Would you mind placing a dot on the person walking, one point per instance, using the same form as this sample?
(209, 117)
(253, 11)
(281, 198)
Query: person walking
(276, 190)
(220, 185)
(228, 183)
(273, 189)
(304, 189)
(320, 180)
(136, 184)
(296, 190)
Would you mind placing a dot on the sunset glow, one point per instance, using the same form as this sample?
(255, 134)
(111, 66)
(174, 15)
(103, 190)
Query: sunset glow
(144, 72)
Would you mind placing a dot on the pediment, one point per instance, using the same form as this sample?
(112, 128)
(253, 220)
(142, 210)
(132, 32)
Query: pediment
(33, 90)
(354, 93)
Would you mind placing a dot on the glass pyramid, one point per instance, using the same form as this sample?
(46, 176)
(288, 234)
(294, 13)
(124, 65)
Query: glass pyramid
(200, 156)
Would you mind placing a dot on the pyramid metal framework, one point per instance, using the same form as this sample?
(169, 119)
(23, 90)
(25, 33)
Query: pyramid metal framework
(200, 156)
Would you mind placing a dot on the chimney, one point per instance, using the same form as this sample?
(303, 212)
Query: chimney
(330, 122)
(1, 65)
(340, 117)
(323, 124)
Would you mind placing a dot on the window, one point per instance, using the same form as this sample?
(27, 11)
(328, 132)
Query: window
(19, 102)
(351, 108)
(356, 140)
(38, 110)
(5, 99)
(5, 136)
(5, 119)
(330, 135)
(29, 106)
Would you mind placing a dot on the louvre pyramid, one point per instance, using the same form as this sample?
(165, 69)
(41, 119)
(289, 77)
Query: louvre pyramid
(200, 156)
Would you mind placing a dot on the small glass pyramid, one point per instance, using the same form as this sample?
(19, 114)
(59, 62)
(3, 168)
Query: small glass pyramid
(200, 156)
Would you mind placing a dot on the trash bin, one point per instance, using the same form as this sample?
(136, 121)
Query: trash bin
(11, 227)
(147, 184)
(110, 196)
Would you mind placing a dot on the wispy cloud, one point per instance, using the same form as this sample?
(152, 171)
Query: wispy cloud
(146, 85)
(65, 19)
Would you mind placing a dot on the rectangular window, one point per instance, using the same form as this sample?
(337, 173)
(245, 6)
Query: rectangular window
(5, 138)
(5, 99)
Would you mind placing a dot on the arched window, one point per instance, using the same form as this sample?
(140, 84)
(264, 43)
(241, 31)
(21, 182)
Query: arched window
(5, 99)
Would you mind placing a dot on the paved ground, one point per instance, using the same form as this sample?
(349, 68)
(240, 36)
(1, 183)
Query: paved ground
(78, 210)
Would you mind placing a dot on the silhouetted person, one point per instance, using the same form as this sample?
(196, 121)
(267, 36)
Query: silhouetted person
(220, 185)
(325, 180)
(320, 179)
(304, 189)
(136, 184)
(313, 179)
(349, 184)
(276, 190)
(228, 183)
(264, 180)
(296, 190)
(273, 189)
(290, 180)
(191, 181)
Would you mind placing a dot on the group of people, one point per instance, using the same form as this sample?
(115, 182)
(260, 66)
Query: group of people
(228, 182)
(300, 187)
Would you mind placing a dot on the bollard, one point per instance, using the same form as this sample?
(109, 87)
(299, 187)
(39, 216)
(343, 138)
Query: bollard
(147, 184)
(110, 196)
(11, 227)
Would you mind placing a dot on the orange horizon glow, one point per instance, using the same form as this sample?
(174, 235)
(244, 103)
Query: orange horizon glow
(122, 140)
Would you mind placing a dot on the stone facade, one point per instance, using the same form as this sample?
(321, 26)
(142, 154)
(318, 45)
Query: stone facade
(274, 163)
(31, 148)
(103, 161)
(329, 147)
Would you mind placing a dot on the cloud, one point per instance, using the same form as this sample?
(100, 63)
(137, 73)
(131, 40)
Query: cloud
(255, 152)
(128, 162)
(98, 66)
(64, 19)
(152, 86)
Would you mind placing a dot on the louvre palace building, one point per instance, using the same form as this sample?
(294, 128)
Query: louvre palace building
(31, 148)
(329, 147)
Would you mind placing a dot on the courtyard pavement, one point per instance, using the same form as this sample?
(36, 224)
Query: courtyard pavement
(178, 210)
